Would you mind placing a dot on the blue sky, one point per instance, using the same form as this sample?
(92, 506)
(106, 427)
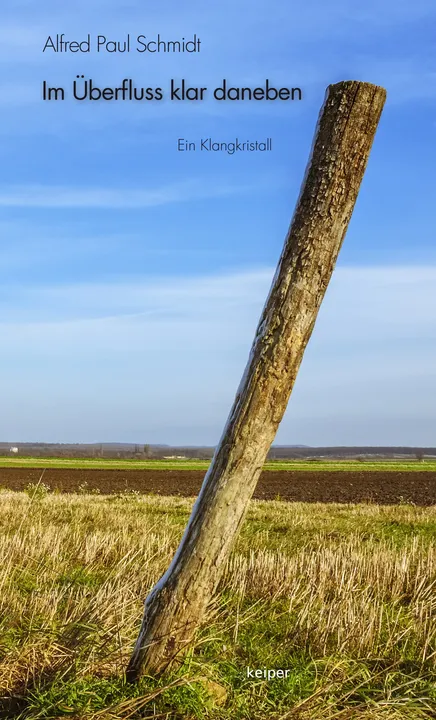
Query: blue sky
(132, 276)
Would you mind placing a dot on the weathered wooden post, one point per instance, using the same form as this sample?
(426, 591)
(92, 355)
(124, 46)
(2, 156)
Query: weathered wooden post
(178, 602)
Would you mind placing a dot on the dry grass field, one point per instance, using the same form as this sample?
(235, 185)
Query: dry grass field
(344, 596)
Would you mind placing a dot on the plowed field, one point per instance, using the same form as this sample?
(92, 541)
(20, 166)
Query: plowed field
(382, 487)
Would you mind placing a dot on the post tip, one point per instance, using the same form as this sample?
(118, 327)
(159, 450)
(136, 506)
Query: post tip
(347, 85)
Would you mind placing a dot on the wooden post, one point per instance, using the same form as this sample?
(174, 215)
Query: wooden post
(178, 602)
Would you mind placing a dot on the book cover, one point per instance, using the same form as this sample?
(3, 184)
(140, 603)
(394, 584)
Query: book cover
(217, 437)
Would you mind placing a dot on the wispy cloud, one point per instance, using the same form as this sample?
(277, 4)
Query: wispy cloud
(45, 196)
(169, 300)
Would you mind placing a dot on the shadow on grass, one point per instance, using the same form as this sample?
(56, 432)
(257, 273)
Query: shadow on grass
(19, 702)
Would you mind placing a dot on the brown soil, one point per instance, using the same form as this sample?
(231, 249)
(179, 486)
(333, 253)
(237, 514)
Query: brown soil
(380, 487)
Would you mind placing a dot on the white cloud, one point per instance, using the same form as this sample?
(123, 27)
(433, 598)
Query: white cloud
(162, 359)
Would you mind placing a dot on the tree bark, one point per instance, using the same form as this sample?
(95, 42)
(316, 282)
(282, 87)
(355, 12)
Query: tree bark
(178, 602)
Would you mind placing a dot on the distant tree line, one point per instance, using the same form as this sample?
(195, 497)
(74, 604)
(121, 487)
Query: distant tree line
(132, 451)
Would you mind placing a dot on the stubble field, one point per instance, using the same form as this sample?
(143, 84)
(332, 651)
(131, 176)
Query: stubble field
(344, 596)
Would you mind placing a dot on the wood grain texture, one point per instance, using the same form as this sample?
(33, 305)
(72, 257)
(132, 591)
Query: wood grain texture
(178, 603)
